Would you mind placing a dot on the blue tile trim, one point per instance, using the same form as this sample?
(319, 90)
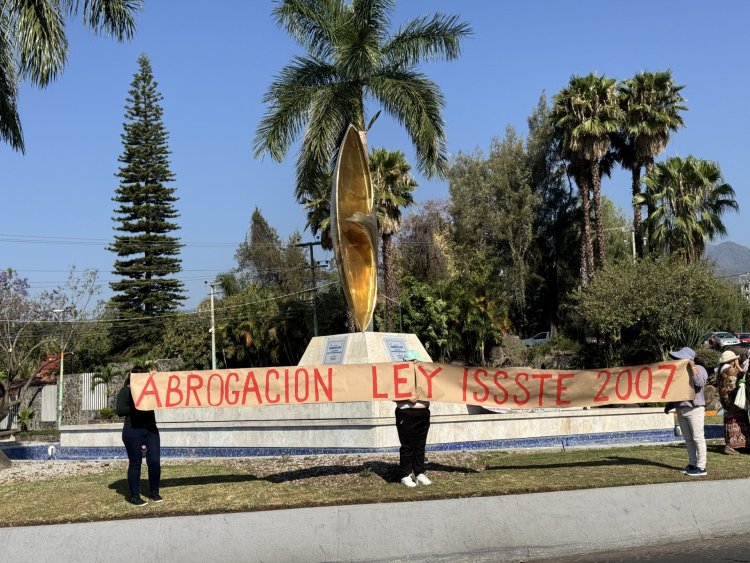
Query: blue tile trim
(663, 436)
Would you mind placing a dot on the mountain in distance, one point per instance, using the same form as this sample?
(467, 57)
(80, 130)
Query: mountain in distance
(731, 259)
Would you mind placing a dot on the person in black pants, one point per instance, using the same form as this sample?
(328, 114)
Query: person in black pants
(138, 433)
(412, 424)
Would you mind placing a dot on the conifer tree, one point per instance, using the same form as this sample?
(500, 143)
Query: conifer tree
(263, 260)
(148, 254)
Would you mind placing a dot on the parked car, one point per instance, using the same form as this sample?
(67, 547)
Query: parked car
(709, 339)
(744, 337)
(723, 339)
(539, 338)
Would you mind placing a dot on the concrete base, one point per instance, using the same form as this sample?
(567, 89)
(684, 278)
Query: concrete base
(373, 430)
(362, 348)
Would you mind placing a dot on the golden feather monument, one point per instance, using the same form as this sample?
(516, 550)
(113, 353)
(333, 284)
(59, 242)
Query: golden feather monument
(354, 228)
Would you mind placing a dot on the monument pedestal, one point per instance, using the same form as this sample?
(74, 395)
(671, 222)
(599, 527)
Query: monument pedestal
(362, 427)
(362, 348)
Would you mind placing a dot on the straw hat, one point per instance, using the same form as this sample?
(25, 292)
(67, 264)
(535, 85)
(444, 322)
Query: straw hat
(728, 356)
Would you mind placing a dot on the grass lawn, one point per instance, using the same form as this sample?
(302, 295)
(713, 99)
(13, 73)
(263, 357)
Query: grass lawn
(229, 485)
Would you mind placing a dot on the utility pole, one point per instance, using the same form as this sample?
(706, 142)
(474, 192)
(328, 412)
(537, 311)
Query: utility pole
(212, 330)
(60, 313)
(314, 284)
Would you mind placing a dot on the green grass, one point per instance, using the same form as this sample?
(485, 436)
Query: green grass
(218, 486)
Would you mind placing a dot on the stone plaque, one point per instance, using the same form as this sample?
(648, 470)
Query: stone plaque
(396, 348)
(334, 350)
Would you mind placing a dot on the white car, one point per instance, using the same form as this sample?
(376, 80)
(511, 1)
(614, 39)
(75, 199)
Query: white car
(726, 339)
(539, 338)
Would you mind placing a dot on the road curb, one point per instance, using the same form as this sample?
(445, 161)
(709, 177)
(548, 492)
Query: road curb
(512, 527)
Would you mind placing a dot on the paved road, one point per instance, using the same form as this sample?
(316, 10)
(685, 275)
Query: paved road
(733, 548)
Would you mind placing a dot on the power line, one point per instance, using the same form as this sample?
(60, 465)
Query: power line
(86, 241)
(167, 315)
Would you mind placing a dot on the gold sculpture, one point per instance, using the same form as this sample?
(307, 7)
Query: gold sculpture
(354, 228)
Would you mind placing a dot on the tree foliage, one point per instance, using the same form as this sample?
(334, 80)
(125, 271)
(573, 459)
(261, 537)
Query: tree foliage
(187, 337)
(493, 210)
(688, 196)
(554, 262)
(393, 189)
(147, 251)
(652, 104)
(34, 45)
(426, 314)
(586, 114)
(262, 260)
(353, 58)
(424, 243)
(642, 304)
(32, 328)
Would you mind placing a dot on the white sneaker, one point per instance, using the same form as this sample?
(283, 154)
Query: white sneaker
(423, 480)
(408, 481)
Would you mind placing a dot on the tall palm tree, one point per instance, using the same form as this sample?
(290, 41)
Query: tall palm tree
(34, 46)
(688, 196)
(317, 202)
(394, 187)
(352, 59)
(585, 114)
(651, 103)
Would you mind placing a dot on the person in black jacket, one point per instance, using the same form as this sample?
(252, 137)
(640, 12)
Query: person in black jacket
(139, 434)
(412, 425)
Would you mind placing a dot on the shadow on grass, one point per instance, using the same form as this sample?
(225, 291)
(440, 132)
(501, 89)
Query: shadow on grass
(121, 485)
(388, 472)
(612, 461)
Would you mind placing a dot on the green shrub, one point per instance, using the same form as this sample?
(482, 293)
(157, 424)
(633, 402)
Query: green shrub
(107, 413)
(24, 418)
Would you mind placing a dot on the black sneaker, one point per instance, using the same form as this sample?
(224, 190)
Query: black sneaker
(687, 469)
(137, 501)
(155, 497)
(696, 472)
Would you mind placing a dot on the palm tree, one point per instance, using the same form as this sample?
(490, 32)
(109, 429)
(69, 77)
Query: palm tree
(394, 187)
(105, 375)
(317, 202)
(688, 196)
(585, 114)
(651, 103)
(352, 58)
(34, 46)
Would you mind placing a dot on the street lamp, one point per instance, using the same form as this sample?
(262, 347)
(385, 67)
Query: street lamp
(60, 313)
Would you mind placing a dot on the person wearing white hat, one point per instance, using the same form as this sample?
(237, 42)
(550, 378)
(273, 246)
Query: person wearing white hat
(727, 359)
(736, 421)
(691, 415)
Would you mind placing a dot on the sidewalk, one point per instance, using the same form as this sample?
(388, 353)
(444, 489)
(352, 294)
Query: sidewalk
(506, 528)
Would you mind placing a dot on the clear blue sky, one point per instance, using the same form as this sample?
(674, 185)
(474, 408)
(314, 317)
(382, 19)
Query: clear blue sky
(213, 62)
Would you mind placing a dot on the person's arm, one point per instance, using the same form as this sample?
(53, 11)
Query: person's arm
(699, 374)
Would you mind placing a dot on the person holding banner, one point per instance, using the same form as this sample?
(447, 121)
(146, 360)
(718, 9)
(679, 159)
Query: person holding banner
(412, 424)
(691, 415)
(141, 437)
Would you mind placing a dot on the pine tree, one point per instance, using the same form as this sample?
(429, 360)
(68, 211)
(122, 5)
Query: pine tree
(147, 252)
(263, 260)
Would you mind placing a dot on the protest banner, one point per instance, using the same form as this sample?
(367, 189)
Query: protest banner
(507, 387)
